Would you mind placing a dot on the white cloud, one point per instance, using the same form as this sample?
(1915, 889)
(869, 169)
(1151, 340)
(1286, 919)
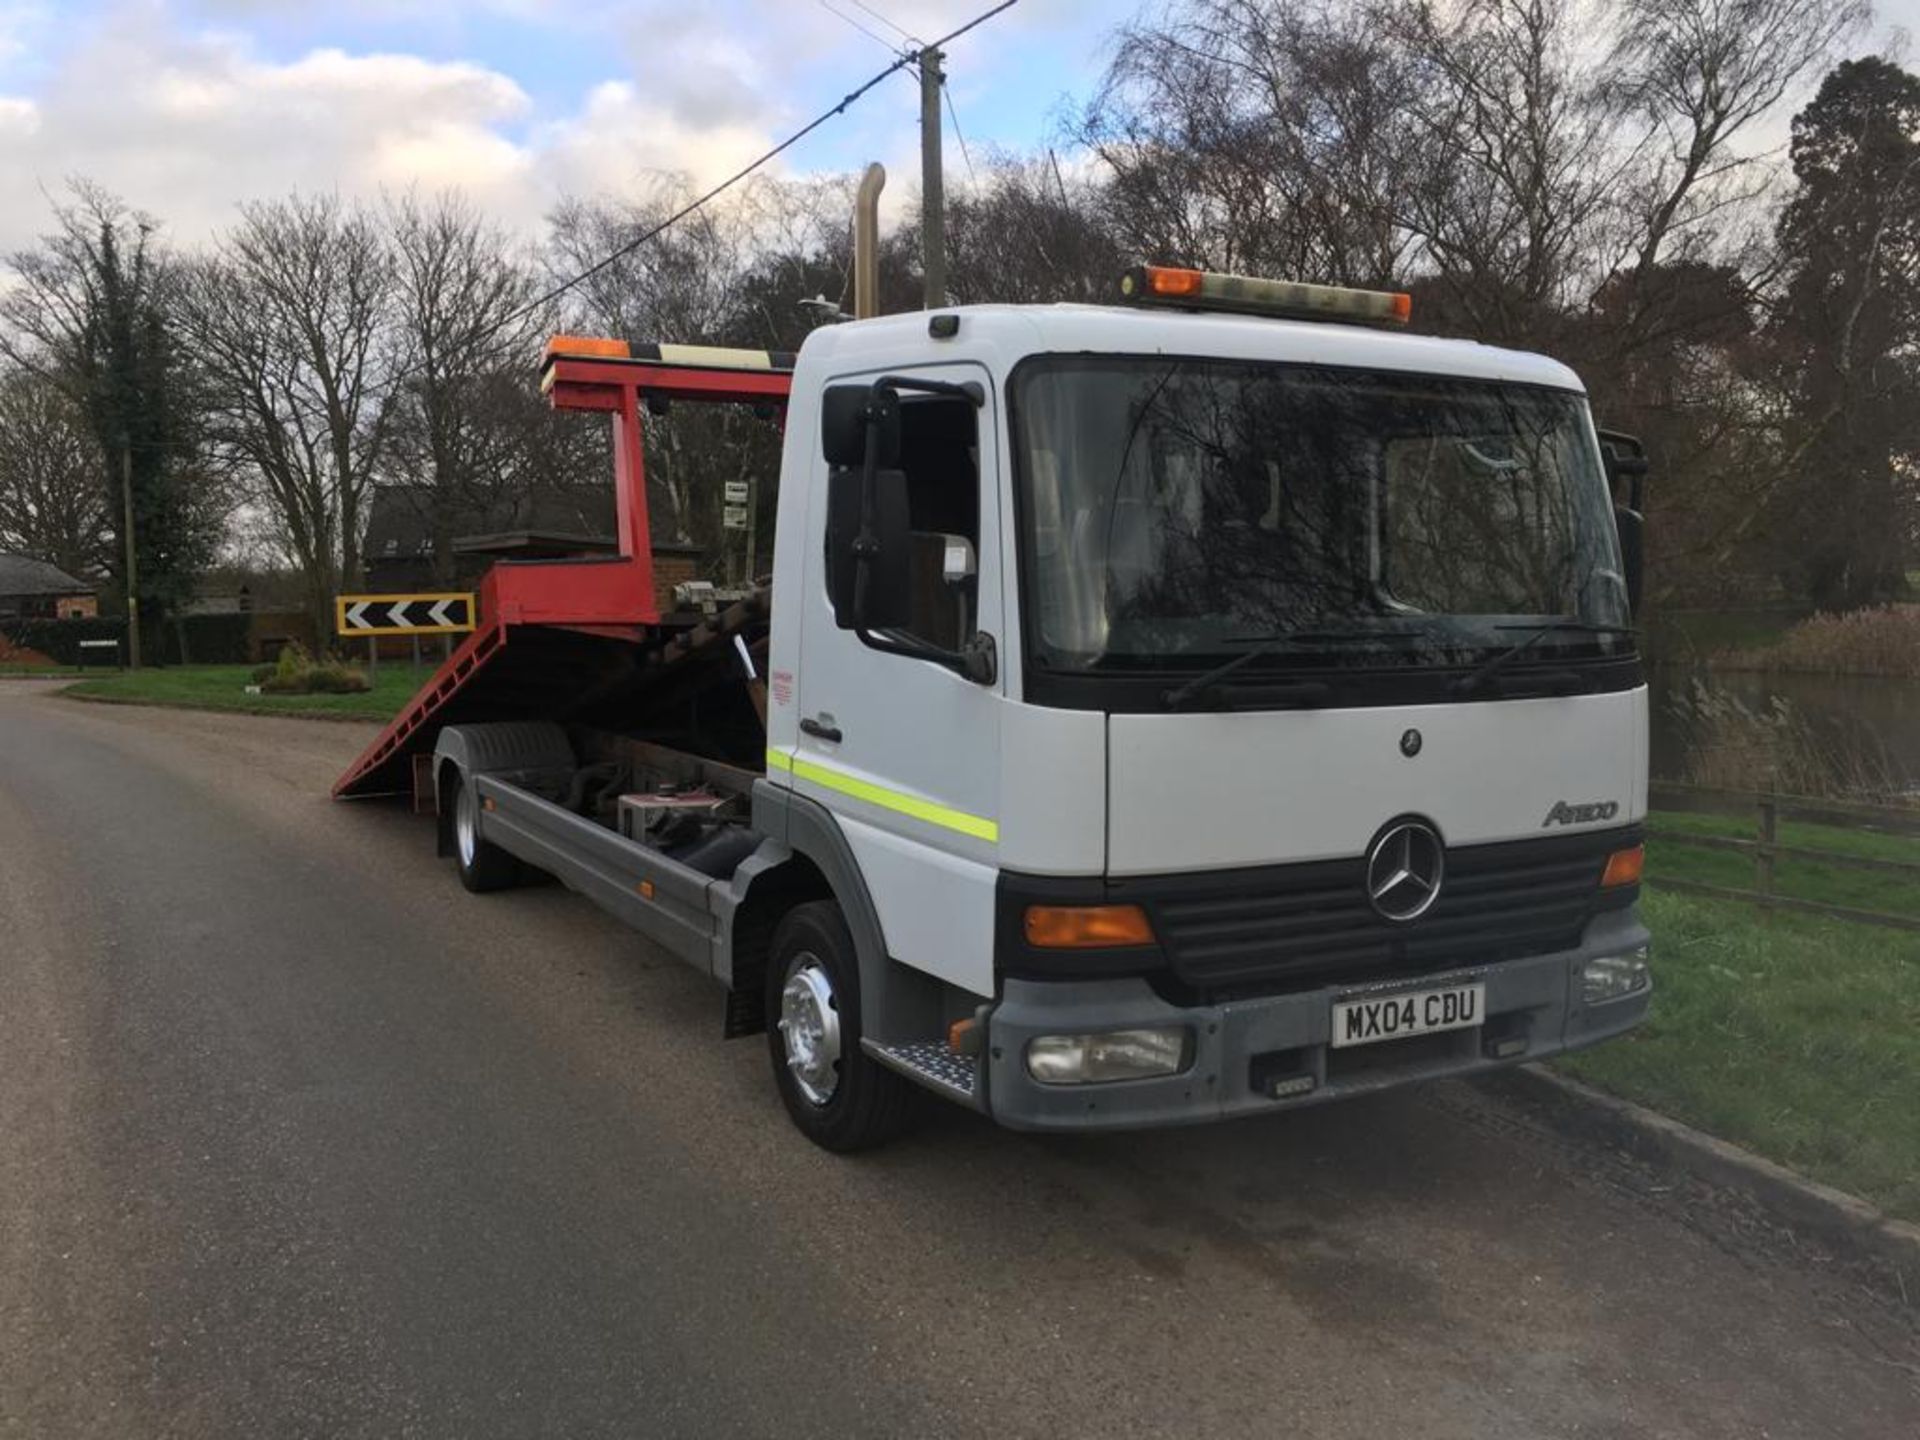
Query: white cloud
(618, 136)
(186, 124)
(186, 128)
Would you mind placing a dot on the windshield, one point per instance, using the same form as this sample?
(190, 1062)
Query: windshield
(1178, 510)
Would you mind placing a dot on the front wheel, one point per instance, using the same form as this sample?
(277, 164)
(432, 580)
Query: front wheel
(840, 1098)
(483, 866)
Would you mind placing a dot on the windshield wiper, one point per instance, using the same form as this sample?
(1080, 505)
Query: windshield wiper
(1304, 692)
(1472, 682)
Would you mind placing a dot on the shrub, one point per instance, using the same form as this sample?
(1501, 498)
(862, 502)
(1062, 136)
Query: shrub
(335, 678)
(1879, 640)
(12, 654)
(298, 673)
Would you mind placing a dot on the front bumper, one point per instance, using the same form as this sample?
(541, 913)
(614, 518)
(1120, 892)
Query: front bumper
(1240, 1046)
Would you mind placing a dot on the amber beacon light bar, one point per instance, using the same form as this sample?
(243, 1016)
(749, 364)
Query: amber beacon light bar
(1250, 295)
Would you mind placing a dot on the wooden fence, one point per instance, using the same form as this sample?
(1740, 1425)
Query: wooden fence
(1767, 810)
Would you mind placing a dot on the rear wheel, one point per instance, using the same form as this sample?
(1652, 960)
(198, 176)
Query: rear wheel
(483, 866)
(839, 1097)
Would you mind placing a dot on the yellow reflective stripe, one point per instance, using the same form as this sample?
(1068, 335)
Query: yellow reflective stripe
(977, 826)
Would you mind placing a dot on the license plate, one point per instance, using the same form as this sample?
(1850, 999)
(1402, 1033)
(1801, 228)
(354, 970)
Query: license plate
(1418, 1012)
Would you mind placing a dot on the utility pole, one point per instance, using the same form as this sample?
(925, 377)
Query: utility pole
(133, 572)
(933, 200)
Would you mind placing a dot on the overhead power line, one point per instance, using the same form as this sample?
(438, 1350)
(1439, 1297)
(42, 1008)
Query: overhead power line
(955, 114)
(866, 30)
(613, 257)
(901, 30)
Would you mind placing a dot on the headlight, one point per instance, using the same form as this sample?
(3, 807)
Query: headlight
(1614, 977)
(1109, 1055)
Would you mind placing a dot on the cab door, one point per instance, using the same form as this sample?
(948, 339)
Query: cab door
(905, 751)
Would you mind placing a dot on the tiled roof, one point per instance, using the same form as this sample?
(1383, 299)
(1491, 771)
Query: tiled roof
(23, 575)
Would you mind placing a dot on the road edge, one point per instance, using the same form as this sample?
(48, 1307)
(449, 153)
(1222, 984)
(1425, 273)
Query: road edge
(1841, 1220)
(332, 717)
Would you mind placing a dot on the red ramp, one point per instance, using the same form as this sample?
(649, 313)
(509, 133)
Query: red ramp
(556, 635)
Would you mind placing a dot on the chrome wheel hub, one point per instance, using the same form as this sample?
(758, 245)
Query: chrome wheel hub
(810, 1028)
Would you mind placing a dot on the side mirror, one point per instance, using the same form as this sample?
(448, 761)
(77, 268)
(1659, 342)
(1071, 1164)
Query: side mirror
(871, 590)
(846, 414)
(1625, 458)
(1632, 527)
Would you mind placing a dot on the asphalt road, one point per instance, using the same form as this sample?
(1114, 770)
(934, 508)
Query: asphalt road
(298, 1138)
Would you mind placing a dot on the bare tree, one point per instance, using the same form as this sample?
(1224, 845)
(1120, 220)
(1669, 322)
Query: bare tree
(1517, 157)
(53, 486)
(468, 431)
(1025, 232)
(687, 285)
(290, 319)
(1699, 73)
(1250, 135)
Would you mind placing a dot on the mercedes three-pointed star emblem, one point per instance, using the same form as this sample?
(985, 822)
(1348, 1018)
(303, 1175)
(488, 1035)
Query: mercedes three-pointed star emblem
(1404, 870)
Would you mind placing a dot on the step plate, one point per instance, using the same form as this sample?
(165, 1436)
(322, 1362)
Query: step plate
(934, 1065)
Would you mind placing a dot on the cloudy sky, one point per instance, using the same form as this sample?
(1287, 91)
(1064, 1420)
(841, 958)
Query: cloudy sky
(187, 106)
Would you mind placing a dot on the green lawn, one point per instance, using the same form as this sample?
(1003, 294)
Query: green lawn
(1804, 879)
(222, 687)
(1799, 1039)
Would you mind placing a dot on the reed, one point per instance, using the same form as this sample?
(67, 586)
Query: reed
(1880, 640)
(1735, 746)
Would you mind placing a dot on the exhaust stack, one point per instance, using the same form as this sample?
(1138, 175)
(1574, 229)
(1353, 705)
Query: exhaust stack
(866, 243)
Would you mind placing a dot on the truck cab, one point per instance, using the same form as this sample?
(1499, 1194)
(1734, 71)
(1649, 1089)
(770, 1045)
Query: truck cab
(1171, 712)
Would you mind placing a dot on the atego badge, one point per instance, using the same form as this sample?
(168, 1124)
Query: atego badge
(437, 614)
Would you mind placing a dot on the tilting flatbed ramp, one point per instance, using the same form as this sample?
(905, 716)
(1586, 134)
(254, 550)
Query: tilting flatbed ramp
(557, 637)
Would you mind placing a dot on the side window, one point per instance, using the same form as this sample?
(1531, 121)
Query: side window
(940, 454)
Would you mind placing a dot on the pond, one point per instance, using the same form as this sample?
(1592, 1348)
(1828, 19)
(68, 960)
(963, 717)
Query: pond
(1852, 714)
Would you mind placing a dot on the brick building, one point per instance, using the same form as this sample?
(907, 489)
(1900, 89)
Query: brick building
(33, 589)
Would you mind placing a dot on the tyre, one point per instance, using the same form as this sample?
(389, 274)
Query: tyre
(841, 1099)
(482, 866)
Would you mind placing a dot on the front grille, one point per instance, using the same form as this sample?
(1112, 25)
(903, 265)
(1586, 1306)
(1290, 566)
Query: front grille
(1251, 931)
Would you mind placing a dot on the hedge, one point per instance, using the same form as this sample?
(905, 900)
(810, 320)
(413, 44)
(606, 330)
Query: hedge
(59, 640)
(210, 639)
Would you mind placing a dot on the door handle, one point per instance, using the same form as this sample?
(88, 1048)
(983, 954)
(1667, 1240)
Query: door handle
(820, 730)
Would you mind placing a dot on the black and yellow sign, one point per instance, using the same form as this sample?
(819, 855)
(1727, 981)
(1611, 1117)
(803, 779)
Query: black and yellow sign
(441, 614)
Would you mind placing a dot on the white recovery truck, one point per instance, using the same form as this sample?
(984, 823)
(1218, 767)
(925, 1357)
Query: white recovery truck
(1198, 707)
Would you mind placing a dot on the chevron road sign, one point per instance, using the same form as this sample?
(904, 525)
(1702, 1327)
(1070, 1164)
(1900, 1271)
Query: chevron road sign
(441, 614)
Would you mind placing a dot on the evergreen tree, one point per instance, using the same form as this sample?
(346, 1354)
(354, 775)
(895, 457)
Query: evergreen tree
(1847, 327)
(92, 312)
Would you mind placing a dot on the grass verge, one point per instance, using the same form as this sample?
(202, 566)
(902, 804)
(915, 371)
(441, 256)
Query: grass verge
(223, 687)
(1804, 879)
(1799, 1040)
